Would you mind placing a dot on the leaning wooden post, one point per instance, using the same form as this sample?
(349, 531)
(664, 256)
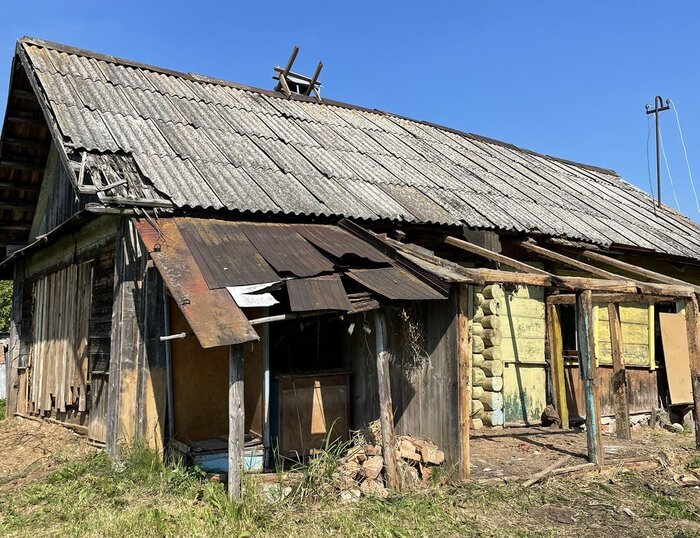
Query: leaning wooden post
(236, 421)
(619, 378)
(556, 354)
(386, 409)
(586, 349)
(464, 382)
(692, 324)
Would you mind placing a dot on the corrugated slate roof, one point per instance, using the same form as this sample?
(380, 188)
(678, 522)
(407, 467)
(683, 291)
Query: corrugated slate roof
(202, 143)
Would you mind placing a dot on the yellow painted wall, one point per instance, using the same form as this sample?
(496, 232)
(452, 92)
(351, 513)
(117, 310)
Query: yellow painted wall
(524, 375)
(637, 338)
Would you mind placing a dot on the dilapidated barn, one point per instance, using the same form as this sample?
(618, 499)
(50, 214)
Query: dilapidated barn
(225, 270)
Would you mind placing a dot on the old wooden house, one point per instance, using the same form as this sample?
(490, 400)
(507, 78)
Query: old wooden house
(222, 270)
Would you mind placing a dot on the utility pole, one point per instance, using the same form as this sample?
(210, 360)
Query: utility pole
(658, 107)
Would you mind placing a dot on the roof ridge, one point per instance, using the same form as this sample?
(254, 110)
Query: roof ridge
(195, 77)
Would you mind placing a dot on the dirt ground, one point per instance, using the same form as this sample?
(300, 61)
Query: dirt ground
(524, 451)
(31, 450)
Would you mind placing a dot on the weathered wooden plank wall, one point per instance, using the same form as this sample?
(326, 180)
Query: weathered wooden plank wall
(642, 394)
(137, 398)
(423, 347)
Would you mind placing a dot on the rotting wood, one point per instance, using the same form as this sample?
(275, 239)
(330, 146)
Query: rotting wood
(692, 324)
(638, 271)
(586, 340)
(386, 410)
(464, 381)
(493, 256)
(544, 472)
(236, 421)
(604, 298)
(619, 378)
(645, 287)
(557, 366)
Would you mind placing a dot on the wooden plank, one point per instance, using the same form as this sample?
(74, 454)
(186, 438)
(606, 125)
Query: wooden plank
(619, 379)
(638, 271)
(557, 358)
(586, 344)
(604, 298)
(386, 409)
(692, 323)
(674, 339)
(493, 256)
(566, 260)
(464, 381)
(236, 421)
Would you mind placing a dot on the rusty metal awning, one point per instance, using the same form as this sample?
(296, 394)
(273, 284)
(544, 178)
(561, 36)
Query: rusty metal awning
(317, 294)
(202, 260)
(212, 314)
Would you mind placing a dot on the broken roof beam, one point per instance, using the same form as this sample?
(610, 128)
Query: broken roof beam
(638, 271)
(493, 256)
(565, 282)
(680, 291)
(570, 298)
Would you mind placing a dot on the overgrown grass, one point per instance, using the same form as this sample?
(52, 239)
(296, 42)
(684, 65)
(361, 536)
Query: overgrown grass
(2, 409)
(140, 496)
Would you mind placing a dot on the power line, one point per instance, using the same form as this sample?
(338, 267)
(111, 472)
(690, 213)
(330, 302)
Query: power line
(668, 170)
(685, 154)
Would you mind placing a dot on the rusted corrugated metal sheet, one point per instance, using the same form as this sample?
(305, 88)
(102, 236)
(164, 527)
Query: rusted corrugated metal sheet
(224, 253)
(395, 283)
(286, 250)
(213, 314)
(318, 293)
(339, 243)
(302, 157)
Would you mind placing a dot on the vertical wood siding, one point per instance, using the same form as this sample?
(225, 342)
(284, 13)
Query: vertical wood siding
(58, 363)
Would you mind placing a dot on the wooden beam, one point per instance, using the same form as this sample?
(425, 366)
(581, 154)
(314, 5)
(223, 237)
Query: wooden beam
(619, 378)
(586, 345)
(33, 187)
(26, 121)
(637, 271)
(493, 256)
(18, 165)
(25, 143)
(556, 354)
(566, 260)
(692, 324)
(575, 283)
(598, 272)
(236, 421)
(23, 94)
(386, 409)
(464, 381)
(604, 298)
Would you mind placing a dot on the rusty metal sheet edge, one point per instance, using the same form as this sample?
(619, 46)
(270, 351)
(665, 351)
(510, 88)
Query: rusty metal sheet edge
(213, 315)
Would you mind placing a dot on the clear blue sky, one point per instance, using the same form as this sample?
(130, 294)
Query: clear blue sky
(565, 78)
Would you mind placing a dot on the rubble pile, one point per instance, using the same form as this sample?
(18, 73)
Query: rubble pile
(361, 470)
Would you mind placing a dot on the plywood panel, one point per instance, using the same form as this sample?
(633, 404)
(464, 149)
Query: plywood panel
(675, 342)
(311, 406)
(200, 384)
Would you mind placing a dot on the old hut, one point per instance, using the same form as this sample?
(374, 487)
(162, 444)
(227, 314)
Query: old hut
(223, 269)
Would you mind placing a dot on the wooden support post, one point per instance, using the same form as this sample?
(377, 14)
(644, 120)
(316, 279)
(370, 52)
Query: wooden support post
(236, 421)
(386, 409)
(464, 382)
(556, 354)
(692, 324)
(619, 378)
(586, 350)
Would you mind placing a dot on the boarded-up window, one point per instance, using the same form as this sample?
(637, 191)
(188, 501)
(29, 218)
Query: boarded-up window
(637, 323)
(58, 364)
